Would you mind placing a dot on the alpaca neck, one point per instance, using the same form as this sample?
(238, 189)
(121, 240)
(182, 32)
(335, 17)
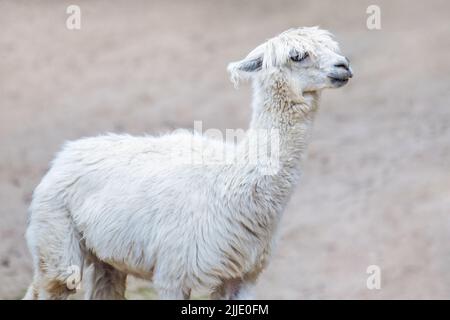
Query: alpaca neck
(276, 112)
(269, 189)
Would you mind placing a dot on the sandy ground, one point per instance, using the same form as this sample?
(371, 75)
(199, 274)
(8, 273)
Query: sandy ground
(376, 188)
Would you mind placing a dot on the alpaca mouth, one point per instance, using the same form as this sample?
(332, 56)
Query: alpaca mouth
(338, 81)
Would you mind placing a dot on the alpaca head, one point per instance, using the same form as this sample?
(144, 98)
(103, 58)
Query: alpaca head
(305, 59)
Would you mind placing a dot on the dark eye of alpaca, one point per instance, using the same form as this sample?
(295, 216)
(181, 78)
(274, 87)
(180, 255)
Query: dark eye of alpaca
(298, 57)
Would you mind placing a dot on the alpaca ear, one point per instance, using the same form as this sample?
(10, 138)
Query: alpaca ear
(250, 65)
(244, 69)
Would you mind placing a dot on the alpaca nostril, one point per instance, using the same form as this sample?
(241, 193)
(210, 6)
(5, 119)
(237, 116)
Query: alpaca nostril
(342, 65)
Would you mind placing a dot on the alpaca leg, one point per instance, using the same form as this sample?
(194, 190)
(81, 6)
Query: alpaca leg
(220, 292)
(245, 292)
(53, 281)
(227, 290)
(104, 282)
(168, 285)
(57, 256)
(32, 292)
(174, 294)
(235, 289)
(53, 289)
(44, 287)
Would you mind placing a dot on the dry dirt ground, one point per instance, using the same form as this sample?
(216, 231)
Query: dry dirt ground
(376, 187)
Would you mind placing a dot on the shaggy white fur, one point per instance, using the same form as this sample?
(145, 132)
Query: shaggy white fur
(120, 205)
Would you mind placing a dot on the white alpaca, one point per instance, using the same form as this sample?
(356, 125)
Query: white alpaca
(120, 205)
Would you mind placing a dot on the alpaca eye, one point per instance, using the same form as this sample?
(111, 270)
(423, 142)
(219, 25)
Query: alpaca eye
(299, 57)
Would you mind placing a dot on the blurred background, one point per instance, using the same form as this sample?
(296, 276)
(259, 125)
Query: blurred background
(376, 185)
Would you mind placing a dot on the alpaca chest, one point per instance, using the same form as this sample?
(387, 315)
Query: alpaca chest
(231, 252)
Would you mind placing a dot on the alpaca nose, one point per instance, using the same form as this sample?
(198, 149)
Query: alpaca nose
(345, 64)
